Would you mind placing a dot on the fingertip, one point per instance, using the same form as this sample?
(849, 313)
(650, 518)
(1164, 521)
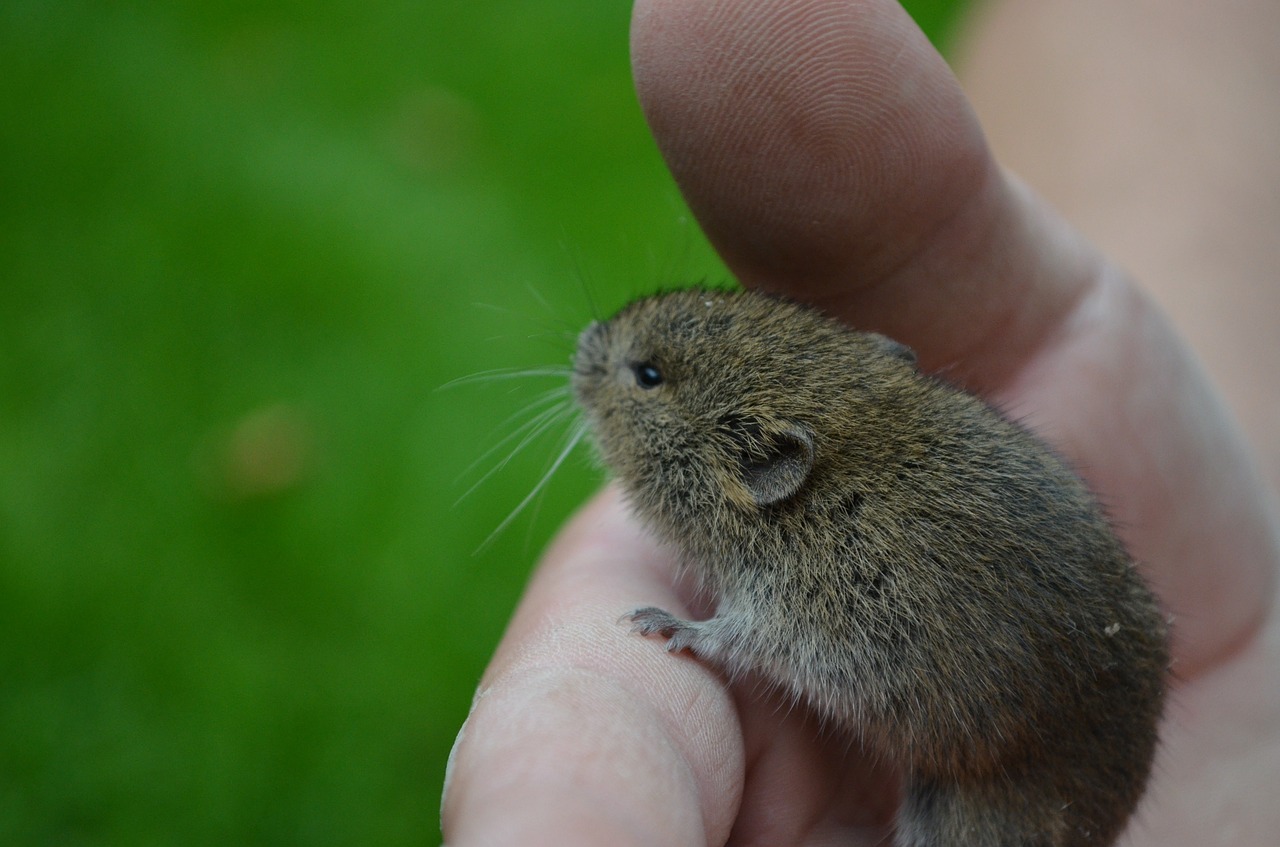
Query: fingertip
(809, 136)
(543, 759)
(582, 733)
(582, 742)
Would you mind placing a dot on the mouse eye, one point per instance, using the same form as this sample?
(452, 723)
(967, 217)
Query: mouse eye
(647, 376)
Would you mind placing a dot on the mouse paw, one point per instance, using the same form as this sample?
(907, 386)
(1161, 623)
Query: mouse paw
(680, 634)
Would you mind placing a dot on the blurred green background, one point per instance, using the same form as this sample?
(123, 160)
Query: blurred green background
(241, 245)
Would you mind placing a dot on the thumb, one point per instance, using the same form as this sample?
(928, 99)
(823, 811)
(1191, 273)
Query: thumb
(828, 153)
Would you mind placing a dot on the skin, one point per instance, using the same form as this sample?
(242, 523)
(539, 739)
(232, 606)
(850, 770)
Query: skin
(829, 153)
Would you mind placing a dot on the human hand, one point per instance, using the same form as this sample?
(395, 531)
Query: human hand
(829, 154)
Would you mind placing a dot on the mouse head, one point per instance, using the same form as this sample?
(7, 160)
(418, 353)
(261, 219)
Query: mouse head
(706, 403)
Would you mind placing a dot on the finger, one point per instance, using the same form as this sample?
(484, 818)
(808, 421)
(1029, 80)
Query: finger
(582, 733)
(829, 153)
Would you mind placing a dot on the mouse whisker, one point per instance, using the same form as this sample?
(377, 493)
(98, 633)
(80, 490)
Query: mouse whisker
(576, 435)
(554, 315)
(559, 371)
(556, 397)
(527, 432)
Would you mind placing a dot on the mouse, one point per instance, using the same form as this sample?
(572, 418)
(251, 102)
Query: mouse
(924, 572)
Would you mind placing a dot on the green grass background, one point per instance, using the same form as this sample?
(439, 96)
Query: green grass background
(241, 245)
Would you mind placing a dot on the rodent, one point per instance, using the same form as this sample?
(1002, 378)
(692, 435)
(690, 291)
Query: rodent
(924, 572)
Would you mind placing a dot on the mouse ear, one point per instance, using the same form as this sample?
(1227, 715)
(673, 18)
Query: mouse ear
(778, 464)
(889, 347)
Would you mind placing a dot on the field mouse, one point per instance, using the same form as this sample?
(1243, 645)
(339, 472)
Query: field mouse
(925, 573)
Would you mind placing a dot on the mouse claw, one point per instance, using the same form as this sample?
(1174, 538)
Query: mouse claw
(653, 621)
(680, 634)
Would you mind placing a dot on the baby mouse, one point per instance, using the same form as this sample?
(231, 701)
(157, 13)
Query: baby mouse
(926, 574)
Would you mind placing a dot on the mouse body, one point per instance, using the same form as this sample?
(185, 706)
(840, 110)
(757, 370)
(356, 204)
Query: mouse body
(925, 573)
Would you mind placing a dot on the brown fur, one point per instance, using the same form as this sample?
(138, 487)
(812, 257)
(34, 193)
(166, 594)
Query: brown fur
(922, 571)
